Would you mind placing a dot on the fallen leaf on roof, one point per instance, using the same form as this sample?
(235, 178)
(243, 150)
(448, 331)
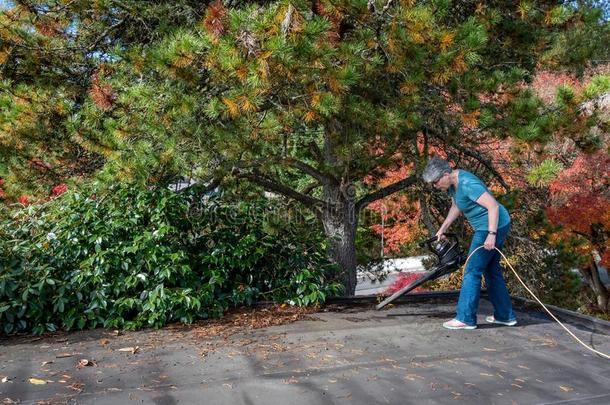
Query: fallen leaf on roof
(63, 355)
(5, 379)
(517, 385)
(8, 401)
(78, 387)
(524, 367)
(104, 342)
(37, 381)
(85, 363)
(487, 349)
(486, 375)
(565, 388)
(133, 350)
(44, 363)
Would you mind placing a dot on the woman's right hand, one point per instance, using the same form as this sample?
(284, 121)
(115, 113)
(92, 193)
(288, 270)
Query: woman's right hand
(440, 234)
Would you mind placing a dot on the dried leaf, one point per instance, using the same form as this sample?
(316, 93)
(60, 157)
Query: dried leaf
(5, 379)
(44, 363)
(78, 387)
(37, 381)
(85, 363)
(565, 388)
(133, 350)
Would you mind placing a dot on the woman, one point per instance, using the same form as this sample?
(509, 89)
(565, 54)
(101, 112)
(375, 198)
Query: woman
(491, 223)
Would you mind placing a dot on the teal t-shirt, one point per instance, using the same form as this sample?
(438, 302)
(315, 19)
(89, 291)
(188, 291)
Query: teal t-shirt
(468, 191)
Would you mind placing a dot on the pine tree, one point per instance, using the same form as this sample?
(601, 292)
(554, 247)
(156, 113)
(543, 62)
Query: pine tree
(331, 91)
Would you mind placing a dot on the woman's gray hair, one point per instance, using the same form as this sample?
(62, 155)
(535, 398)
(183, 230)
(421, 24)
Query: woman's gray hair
(435, 168)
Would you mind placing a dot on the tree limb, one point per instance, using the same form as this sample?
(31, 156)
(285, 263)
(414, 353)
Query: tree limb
(270, 185)
(386, 191)
(312, 171)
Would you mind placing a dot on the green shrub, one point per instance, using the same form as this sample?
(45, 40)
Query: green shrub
(130, 257)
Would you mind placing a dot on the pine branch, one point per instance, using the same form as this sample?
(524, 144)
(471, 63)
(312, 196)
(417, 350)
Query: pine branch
(386, 191)
(104, 34)
(271, 185)
(311, 187)
(312, 171)
(316, 152)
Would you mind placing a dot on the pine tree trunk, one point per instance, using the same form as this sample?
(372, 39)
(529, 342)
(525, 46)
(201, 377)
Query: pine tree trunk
(340, 223)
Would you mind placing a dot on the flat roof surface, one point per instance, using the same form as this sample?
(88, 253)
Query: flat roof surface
(348, 355)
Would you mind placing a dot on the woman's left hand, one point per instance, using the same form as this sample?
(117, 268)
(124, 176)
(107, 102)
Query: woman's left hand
(490, 242)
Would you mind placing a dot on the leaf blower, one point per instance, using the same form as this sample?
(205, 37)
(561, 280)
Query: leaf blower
(450, 258)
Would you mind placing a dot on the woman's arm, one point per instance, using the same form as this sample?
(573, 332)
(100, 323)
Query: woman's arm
(493, 214)
(454, 212)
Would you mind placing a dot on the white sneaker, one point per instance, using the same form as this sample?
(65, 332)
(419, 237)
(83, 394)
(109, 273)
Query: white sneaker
(455, 324)
(491, 319)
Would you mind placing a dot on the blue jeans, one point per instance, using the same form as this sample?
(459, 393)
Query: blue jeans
(484, 262)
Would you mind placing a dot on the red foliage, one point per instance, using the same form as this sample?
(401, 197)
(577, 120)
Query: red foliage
(581, 203)
(402, 281)
(214, 19)
(59, 190)
(23, 200)
(545, 84)
(400, 214)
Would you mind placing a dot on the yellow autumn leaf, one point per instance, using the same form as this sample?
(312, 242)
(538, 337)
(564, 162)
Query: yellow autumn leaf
(407, 88)
(263, 68)
(446, 40)
(183, 60)
(441, 77)
(246, 105)
(310, 116)
(471, 120)
(232, 106)
(37, 381)
(241, 73)
(459, 64)
(4, 54)
(334, 85)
